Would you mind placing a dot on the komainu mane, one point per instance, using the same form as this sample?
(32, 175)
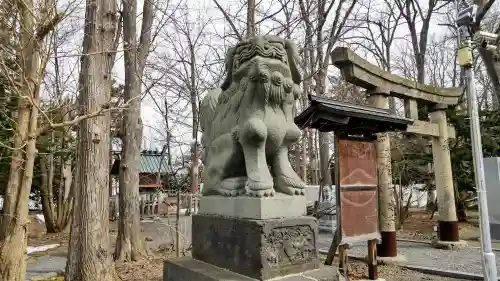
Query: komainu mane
(248, 123)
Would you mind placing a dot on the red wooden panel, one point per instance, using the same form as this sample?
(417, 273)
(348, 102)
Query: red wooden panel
(357, 162)
(359, 213)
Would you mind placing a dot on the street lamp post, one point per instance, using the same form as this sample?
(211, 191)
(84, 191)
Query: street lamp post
(465, 19)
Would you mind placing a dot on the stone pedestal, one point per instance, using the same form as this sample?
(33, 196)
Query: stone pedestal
(260, 249)
(231, 241)
(278, 206)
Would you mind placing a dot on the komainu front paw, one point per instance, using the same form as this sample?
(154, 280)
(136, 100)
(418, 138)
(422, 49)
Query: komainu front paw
(232, 187)
(290, 185)
(260, 188)
(231, 193)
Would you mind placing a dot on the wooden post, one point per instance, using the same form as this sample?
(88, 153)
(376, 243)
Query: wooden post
(151, 201)
(343, 258)
(372, 260)
(142, 206)
(333, 247)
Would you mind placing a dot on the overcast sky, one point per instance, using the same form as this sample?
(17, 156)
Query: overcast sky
(202, 14)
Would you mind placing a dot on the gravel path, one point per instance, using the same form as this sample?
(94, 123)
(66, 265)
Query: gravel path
(358, 270)
(466, 260)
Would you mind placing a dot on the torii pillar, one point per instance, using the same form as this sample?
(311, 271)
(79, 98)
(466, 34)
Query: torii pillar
(388, 249)
(448, 234)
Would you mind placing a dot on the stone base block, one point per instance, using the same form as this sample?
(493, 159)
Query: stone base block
(384, 260)
(449, 245)
(260, 249)
(279, 206)
(392, 260)
(189, 269)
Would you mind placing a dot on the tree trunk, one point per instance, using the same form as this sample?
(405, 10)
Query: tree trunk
(13, 236)
(47, 194)
(89, 255)
(324, 137)
(431, 197)
(251, 18)
(129, 242)
(313, 162)
(14, 217)
(56, 214)
(65, 201)
(195, 123)
(492, 64)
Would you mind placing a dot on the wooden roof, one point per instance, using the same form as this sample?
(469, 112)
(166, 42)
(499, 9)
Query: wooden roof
(328, 115)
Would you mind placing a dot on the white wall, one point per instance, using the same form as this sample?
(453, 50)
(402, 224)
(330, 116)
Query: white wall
(418, 198)
(32, 204)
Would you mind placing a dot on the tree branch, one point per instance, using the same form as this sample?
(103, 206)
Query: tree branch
(226, 16)
(104, 109)
(148, 15)
(44, 29)
(116, 42)
(483, 9)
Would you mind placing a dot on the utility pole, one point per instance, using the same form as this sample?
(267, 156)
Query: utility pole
(465, 19)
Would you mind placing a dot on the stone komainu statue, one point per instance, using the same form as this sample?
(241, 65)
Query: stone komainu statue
(248, 123)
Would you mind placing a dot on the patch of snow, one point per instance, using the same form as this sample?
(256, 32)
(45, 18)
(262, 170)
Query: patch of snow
(44, 248)
(40, 218)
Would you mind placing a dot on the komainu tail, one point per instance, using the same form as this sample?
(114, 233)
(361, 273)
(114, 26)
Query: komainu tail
(208, 109)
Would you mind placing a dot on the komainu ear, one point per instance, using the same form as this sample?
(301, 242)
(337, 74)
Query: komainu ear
(229, 69)
(293, 61)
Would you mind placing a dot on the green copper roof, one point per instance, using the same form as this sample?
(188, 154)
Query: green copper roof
(148, 163)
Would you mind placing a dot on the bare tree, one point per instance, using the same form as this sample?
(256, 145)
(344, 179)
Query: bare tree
(490, 59)
(129, 242)
(188, 77)
(319, 55)
(35, 22)
(379, 34)
(414, 14)
(89, 256)
(57, 210)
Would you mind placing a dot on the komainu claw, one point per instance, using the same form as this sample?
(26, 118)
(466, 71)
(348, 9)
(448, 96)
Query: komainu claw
(261, 193)
(299, 191)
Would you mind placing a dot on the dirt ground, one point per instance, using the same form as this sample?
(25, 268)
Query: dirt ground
(418, 227)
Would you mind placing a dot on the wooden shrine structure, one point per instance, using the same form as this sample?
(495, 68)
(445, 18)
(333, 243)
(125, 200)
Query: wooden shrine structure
(356, 177)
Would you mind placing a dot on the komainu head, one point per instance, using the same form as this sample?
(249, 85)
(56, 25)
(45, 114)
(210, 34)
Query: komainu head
(266, 66)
